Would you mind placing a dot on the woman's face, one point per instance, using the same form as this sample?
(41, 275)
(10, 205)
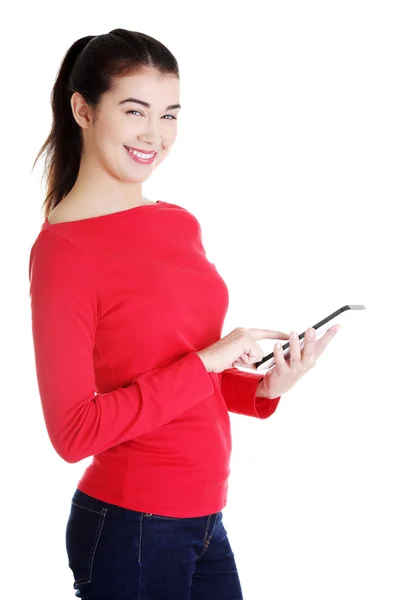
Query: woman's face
(121, 123)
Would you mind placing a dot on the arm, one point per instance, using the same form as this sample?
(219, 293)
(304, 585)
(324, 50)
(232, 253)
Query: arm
(242, 392)
(80, 421)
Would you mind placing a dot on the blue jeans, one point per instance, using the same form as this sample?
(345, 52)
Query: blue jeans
(120, 554)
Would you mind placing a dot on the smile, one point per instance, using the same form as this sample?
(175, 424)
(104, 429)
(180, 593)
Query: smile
(141, 157)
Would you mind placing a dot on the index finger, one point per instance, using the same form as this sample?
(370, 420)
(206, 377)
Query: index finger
(271, 334)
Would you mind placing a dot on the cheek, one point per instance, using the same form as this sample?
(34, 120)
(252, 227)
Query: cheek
(163, 155)
(106, 142)
(168, 140)
(113, 132)
(169, 133)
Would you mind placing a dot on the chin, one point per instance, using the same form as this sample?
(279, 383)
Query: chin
(130, 179)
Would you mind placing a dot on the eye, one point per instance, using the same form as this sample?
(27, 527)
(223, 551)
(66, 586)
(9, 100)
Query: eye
(137, 111)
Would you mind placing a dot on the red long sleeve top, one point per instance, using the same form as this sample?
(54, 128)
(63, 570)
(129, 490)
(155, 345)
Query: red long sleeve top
(120, 305)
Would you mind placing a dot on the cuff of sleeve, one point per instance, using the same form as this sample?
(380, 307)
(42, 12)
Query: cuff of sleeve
(185, 380)
(239, 389)
(264, 407)
(201, 377)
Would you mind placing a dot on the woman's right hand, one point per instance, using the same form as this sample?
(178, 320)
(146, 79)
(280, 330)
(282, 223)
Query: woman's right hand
(237, 348)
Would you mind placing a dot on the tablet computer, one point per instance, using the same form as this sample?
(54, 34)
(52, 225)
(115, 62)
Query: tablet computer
(320, 328)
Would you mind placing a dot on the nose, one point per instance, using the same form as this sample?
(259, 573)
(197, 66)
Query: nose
(151, 136)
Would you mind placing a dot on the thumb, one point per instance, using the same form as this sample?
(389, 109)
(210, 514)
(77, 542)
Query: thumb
(241, 365)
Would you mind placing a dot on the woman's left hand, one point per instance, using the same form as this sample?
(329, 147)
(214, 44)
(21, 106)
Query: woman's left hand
(287, 372)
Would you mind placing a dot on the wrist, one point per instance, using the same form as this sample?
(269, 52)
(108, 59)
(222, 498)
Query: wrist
(262, 389)
(203, 360)
(261, 392)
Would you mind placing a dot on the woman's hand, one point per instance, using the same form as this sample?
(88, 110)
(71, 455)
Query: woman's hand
(287, 372)
(239, 346)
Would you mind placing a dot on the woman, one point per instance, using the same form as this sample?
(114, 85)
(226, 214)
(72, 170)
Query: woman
(127, 314)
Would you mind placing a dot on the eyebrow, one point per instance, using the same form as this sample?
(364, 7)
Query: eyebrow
(147, 105)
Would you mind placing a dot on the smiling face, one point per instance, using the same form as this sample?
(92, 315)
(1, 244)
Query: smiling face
(140, 112)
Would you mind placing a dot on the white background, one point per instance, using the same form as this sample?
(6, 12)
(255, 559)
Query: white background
(288, 154)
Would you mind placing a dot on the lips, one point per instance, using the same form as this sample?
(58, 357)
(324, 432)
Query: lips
(144, 151)
(140, 160)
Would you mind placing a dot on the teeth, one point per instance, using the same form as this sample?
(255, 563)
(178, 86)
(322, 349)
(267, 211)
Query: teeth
(141, 154)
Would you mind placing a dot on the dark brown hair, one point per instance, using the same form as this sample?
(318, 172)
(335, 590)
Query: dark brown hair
(88, 67)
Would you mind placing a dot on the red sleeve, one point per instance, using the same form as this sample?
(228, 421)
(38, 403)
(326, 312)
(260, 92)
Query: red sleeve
(239, 391)
(80, 421)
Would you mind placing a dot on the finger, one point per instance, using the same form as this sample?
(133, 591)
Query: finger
(256, 352)
(308, 354)
(295, 354)
(280, 360)
(240, 363)
(270, 334)
(243, 359)
(322, 343)
(246, 366)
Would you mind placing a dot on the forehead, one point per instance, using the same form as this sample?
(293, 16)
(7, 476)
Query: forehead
(149, 85)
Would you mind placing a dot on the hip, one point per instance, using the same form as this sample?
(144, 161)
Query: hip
(113, 548)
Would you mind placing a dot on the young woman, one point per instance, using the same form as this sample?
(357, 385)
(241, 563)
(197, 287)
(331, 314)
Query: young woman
(127, 314)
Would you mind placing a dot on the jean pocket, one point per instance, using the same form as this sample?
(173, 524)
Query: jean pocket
(83, 531)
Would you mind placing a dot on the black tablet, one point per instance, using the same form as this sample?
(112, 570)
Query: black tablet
(320, 328)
